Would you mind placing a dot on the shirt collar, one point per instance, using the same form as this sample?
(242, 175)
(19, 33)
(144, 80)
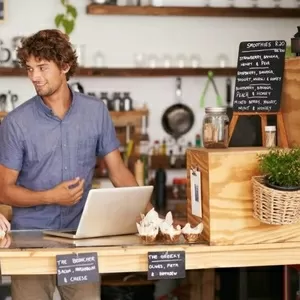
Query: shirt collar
(47, 110)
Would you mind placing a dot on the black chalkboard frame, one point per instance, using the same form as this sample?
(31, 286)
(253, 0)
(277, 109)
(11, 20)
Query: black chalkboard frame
(3, 8)
(270, 44)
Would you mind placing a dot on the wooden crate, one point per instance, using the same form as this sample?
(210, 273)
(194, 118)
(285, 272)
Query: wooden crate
(227, 198)
(290, 101)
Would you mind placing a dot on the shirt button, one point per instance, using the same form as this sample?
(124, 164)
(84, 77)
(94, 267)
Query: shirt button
(65, 145)
(66, 168)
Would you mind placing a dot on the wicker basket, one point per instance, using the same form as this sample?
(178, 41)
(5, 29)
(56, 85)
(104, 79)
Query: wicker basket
(274, 207)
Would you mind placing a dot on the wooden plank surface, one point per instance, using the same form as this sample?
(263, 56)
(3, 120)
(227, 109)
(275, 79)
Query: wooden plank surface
(134, 259)
(253, 12)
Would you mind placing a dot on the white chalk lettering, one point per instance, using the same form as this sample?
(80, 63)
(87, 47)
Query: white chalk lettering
(78, 278)
(82, 260)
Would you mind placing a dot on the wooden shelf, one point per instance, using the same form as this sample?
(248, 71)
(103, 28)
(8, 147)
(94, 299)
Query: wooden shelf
(114, 114)
(252, 12)
(130, 114)
(133, 72)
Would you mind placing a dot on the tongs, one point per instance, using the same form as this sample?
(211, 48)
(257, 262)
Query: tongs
(210, 78)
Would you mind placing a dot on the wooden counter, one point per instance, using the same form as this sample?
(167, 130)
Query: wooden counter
(31, 259)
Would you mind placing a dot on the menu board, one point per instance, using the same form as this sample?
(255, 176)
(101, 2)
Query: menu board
(259, 76)
(77, 268)
(166, 265)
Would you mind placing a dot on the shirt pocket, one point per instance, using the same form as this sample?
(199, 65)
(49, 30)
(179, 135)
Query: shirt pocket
(86, 150)
(39, 150)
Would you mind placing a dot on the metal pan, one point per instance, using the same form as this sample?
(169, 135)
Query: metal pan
(178, 119)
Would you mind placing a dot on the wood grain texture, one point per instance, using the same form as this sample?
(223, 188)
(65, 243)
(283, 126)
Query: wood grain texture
(227, 198)
(253, 12)
(123, 118)
(199, 159)
(134, 259)
(133, 72)
(290, 102)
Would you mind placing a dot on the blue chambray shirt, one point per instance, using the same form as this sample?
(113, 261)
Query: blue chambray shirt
(47, 151)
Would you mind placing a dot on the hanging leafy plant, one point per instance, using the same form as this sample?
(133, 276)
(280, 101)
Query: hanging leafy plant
(67, 19)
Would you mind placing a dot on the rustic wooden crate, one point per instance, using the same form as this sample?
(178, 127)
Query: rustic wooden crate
(227, 198)
(290, 101)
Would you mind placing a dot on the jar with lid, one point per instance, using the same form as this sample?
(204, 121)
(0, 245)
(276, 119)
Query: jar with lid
(215, 127)
(270, 136)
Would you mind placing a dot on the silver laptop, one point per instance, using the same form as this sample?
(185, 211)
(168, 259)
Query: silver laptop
(109, 212)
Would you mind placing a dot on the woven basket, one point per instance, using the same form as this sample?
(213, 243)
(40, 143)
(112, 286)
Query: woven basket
(274, 207)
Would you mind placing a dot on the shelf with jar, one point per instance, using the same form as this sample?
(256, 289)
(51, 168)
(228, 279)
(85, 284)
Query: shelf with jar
(132, 72)
(207, 11)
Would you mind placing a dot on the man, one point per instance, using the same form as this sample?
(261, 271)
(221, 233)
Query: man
(48, 149)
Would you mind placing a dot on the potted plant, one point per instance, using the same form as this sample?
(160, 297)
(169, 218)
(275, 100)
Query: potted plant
(281, 169)
(66, 19)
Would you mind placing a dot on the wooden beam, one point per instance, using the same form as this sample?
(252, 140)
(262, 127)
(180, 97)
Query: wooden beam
(134, 258)
(133, 72)
(241, 12)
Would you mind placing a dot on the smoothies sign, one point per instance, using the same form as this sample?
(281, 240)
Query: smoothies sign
(259, 76)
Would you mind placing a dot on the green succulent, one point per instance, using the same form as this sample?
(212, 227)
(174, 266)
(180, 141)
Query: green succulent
(66, 20)
(281, 166)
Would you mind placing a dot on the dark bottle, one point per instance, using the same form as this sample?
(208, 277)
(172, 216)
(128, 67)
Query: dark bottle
(116, 102)
(295, 42)
(105, 99)
(126, 102)
(160, 190)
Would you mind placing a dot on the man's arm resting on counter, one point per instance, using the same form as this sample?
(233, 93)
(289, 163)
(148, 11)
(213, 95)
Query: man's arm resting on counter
(119, 174)
(12, 194)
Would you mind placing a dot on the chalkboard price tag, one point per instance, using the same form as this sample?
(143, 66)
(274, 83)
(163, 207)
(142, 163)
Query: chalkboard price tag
(77, 268)
(259, 76)
(166, 265)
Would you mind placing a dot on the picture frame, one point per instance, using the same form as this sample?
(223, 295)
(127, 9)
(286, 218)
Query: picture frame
(3, 8)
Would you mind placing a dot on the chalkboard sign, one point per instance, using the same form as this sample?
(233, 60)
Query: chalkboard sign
(259, 76)
(77, 268)
(166, 265)
(2, 9)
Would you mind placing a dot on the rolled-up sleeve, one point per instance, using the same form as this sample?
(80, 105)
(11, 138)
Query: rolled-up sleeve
(11, 144)
(107, 140)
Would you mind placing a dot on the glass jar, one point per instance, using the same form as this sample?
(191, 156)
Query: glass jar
(215, 127)
(270, 136)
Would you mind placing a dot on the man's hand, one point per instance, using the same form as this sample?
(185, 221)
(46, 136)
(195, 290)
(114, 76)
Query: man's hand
(5, 242)
(67, 193)
(4, 224)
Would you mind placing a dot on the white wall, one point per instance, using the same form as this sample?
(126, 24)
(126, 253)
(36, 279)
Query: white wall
(120, 37)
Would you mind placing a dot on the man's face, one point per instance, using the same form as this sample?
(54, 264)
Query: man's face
(45, 75)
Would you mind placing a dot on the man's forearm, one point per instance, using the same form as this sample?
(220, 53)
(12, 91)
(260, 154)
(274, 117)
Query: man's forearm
(123, 177)
(18, 196)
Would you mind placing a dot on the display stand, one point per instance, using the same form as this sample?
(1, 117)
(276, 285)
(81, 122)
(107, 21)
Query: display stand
(283, 141)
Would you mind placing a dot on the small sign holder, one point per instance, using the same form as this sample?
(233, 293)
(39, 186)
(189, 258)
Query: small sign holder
(281, 132)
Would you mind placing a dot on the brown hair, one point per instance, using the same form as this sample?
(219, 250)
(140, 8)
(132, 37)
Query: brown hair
(51, 45)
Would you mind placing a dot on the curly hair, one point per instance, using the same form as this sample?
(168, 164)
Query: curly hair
(50, 45)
